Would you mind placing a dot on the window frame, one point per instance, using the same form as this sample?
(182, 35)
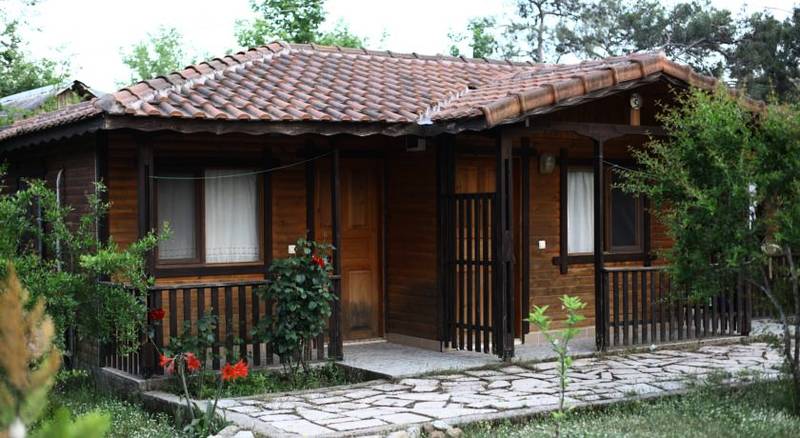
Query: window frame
(638, 247)
(198, 264)
(640, 253)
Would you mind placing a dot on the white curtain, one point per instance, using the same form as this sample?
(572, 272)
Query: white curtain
(176, 205)
(231, 217)
(580, 211)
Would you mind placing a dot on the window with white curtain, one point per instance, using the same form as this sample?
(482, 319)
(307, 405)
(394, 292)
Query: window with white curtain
(580, 211)
(231, 231)
(177, 207)
(213, 219)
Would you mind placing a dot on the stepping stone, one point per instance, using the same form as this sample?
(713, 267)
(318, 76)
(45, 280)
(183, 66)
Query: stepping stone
(361, 424)
(424, 396)
(497, 384)
(403, 418)
(301, 427)
(530, 385)
(270, 418)
(314, 415)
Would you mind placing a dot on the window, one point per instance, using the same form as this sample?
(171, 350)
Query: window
(213, 220)
(623, 215)
(623, 218)
(580, 211)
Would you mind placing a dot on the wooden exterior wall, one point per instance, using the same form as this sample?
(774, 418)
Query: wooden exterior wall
(411, 243)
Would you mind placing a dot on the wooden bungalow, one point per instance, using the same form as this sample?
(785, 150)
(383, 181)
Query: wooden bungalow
(457, 192)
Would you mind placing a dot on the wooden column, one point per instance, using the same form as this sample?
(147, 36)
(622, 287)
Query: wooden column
(599, 227)
(266, 240)
(504, 251)
(525, 167)
(310, 193)
(445, 237)
(101, 176)
(335, 349)
(144, 161)
(563, 244)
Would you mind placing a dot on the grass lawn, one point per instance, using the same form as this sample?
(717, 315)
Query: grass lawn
(267, 381)
(763, 409)
(128, 420)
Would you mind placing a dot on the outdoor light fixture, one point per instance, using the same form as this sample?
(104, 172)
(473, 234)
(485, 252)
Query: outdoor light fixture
(547, 162)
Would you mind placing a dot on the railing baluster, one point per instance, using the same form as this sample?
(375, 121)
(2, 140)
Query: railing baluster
(173, 314)
(617, 318)
(469, 267)
(187, 309)
(634, 306)
(625, 308)
(653, 306)
(243, 322)
(229, 324)
(215, 312)
(255, 307)
(486, 273)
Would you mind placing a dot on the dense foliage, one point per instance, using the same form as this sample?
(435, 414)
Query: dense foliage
(726, 184)
(293, 21)
(301, 288)
(161, 53)
(59, 258)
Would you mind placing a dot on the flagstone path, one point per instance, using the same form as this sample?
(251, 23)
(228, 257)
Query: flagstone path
(379, 407)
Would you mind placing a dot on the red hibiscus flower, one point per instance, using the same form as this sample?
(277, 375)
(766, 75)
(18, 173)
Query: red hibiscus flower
(192, 362)
(233, 372)
(317, 260)
(156, 314)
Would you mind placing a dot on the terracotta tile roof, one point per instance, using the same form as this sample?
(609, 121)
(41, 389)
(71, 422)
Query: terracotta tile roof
(63, 116)
(294, 83)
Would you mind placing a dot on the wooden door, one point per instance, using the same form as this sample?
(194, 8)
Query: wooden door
(361, 268)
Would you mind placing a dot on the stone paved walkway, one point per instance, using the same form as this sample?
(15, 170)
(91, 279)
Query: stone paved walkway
(381, 406)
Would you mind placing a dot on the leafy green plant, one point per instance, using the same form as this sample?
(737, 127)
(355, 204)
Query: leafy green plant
(560, 342)
(725, 183)
(60, 259)
(301, 288)
(200, 343)
(62, 425)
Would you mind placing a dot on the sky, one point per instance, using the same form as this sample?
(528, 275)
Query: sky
(92, 33)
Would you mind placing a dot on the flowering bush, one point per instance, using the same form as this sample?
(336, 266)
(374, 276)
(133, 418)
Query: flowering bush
(301, 288)
(202, 423)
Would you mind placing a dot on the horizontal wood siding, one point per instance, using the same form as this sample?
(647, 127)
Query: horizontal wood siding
(411, 243)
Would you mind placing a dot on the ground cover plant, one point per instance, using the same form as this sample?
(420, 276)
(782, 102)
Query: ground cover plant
(76, 393)
(761, 409)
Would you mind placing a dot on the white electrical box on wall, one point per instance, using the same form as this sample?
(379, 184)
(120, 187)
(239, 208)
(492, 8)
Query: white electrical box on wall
(542, 244)
(292, 249)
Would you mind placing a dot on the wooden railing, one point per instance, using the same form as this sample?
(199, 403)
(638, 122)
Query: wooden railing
(641, 307)
(238, 309)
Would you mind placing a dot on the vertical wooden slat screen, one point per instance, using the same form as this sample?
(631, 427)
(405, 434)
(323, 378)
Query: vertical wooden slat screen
(470, 296)
(641, 304)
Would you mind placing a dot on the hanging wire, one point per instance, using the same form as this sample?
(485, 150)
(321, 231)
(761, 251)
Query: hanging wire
(239, 175)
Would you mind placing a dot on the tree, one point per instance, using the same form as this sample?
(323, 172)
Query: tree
(694, 32)
(161, 53)
(766, 58)
(19, 71)
(293, 21)
(532, 32)
(482, 41)
(726, 184)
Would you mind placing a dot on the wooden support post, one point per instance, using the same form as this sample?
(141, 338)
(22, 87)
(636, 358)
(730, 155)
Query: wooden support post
(311, 181)
(504, 251)
(563, 247)
(335, 349)
(266, 240)
(525, 166)
(445, 235)
(144, 161)
(599, 226)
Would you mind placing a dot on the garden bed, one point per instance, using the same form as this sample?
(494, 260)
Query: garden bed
(759, 409)
(266, 381)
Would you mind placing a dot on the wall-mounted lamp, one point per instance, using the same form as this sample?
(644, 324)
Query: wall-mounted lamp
(547, 162)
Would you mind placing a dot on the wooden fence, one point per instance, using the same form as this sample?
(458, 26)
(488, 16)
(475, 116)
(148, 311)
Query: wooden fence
(238, 309)
(640, 307)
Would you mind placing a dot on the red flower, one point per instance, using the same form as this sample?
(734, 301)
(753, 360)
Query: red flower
(233, 372)
(156, 314)
(192, 362)
(168, 364)
(317, 260)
